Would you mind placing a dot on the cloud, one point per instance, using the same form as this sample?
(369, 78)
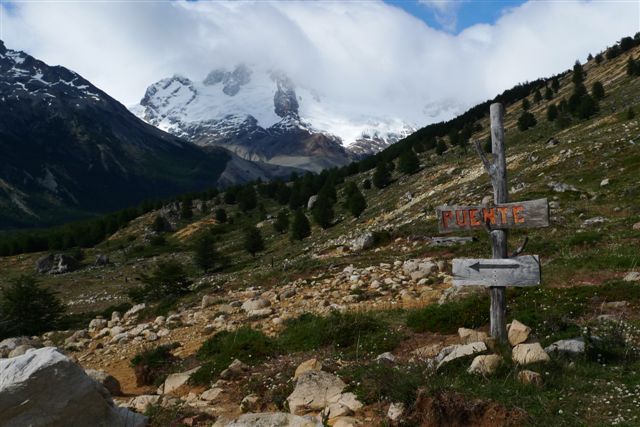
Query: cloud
(445, 12)
(368, 57)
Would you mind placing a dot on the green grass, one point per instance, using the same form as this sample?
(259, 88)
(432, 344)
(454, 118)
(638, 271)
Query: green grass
(471, 312)
(152, 366)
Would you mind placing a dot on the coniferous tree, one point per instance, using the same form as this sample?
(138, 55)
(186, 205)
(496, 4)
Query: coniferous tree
(441, 147)
(247, 198)
(526, 121)
(630, 114)
(587, 107)
(300, 227)
(597, 90)
(408, 163)
(167, 282)
(253, 242)
(487, 146)
(221, 215)
(537, 96)
(525, 104)
(454, 137)
(322, 211)
(160, 224)
(548, 94)
(28, 309)
(552, 112)
(366, 184)
(555, 84)
(356, 203)
(281, 225)
(598, 58)
(205, 254)
(590, 57)
(633, 69)
(186, 211)
(382, 175)
(578, 73)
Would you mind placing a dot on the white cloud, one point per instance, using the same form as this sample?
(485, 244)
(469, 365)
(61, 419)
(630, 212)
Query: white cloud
(445, 12)
(369, 57)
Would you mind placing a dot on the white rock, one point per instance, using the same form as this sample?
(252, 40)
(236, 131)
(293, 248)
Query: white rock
(314, 391)
(485, 364)
(255, 304)
(518, 333)
(307, 365)
(133, 311)
(470, 335)
(524, 354)
(208, 301)
(107, 381)
(571, 347)
(175, 381)
(604, 182)
(45, 388)
(632, 276)
(530, 377)
(395, 411)
(143, 402)
(386, 357)
(271, 419)
(454, 352)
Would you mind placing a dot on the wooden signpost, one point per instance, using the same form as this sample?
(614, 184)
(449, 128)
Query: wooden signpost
(501, 270)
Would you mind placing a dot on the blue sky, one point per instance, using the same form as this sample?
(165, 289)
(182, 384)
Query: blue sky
(455, 15)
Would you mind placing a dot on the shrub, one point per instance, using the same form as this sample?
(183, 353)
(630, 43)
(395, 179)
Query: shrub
(597, 90)
(382, 175)
(186, 211)
(168, 281)
(160, 224)
(408, 162)
(356, 334)
(366, 184)
(471, 312)
(322, 211)
(552, 112)
(375, 382)
(245, 344)
(28, 309)
(526, 121)
(152, 366)
(355, 203)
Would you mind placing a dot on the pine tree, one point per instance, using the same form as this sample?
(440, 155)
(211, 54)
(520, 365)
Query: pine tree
(632, 67)
(578, 74)
(587, 107)
(205, 254)
(441, 147)
(281, 225)
(590, 57)
(597, 90)
(525, 104)
(160, 224)
(552, 112)
(598, 58)
(253, 242)
(221, 215)
(300, 227)
(408, 162)
(366, 184)
(247, 198)
(487, 146)
(526, 121)
(382, 176)
(537, 96)
(548, 94)
(555, 84)
(356, 203)
(186, 211)
(322, 211)
(630, 114)
(28, 309)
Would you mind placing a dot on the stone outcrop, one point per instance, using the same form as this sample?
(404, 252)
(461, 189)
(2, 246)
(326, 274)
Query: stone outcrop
(45, 388)
(314, 391)
(525, 354)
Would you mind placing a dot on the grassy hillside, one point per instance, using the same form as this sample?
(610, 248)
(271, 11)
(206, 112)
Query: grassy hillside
(591, 178)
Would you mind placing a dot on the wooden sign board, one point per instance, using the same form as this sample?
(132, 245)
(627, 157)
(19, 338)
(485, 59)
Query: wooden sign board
(518, 271)
(527, 214)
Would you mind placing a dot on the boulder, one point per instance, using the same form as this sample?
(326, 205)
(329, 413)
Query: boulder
(518, 333)
(20, 350)
(632, 276)
(485, 364)
(427, 352)
(107, 381)
(314, 391)
(132, 312)
(453, 352)
(468, 336)
(143, 402)
(9, 344)
(524, 354)
(346, 422)
(636, 226)
(386, 357)
(255, 304)
(175, 381)
(312, 201)
(395, 411)
(211, 394)
(235, 370)
(102, 260)
(307, 365)
(362, 242)
(272, 419)
(56, 264)
(250, 403)
(572, 347)
(530, 377)
(208, 301)
(97, 324)
(45, 388)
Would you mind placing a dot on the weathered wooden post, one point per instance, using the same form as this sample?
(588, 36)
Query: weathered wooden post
(501, 270)
(498, 173)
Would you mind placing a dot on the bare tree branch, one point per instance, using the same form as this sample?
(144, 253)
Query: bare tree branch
(521, 248)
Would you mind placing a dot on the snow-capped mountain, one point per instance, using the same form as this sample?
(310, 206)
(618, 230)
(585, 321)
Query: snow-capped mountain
(69, 150)
(262, 115)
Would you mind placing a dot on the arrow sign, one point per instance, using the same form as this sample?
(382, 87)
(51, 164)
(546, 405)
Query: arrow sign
(477, 266)
(518, 271)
